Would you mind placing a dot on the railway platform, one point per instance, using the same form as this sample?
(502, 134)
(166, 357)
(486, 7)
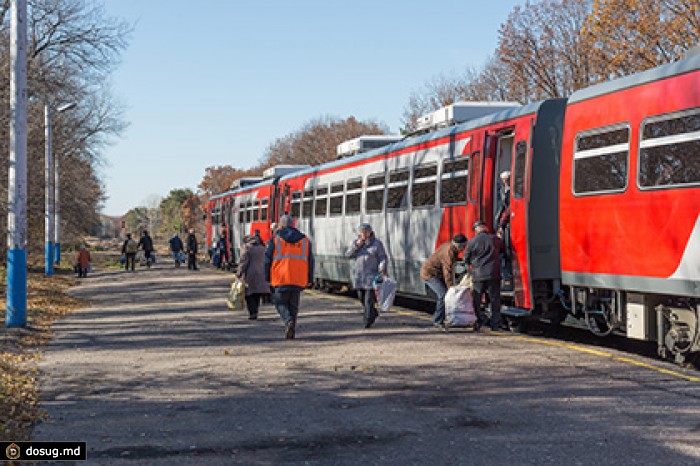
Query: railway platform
(158, 371)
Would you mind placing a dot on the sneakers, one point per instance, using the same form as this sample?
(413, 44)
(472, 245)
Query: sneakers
(289, 331)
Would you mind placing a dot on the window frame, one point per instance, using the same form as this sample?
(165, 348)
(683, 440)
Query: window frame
(451, 175)
(654, 119)
(323, 196)
(351, 192)
(515, 175)
(373, 188)
(397, 184)
(592, 132)
(431, 179)
(474, 181)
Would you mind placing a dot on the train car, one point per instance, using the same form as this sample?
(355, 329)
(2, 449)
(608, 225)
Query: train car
(241, 212)
(415, 195)
(630, 206)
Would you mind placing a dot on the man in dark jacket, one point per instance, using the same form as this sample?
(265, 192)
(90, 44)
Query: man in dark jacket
(437, 272)
(146, 243)
(192, 250)
(176, 247)
(289, 268)
(483, 254)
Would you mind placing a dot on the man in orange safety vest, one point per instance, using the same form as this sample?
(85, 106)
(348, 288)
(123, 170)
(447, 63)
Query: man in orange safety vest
(289, 267)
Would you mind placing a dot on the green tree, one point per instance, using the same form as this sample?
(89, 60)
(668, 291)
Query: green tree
(171, 210)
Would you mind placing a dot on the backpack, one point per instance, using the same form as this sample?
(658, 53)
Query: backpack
(131, 246)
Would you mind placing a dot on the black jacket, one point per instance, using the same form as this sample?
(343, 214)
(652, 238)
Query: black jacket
(176, 244)
(483, 253)
(146, 243)
(191, 244)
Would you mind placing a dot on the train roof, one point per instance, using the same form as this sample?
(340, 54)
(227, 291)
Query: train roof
(415, 140)
(249, 187)
(687, 65)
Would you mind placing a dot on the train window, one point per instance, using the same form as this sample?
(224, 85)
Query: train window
(453, 186)
(474, 177)
(397, 192)
(241, 213)
(376, 180)
(249, 210)
(519, 170)
(263, 210)
(600, 161)
(353, 194)
(354, 184)
(256, 210)
(424, 184)
(336, 205)
(668, 151)
(321, 201)
(337, 187)
(296, 204)
(374, 198)
(308, 203)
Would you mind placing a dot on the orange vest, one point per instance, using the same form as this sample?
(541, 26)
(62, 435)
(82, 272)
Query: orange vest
(290, 263)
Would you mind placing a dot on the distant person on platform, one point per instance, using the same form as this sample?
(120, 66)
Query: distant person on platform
(129, 250)
(192, 250)
(483, 254)
(289, 268)
(146, 243)
(176, 247)
(82, 262)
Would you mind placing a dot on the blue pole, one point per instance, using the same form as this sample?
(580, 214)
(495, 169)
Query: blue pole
(57, 253)
(16, 315)
(49, 258)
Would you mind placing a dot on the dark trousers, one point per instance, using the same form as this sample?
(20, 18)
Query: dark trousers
(192, 261)
(252, 302)
(130, 259)
(82, 271)
(368, 298)
(493, 289)
(287, 304)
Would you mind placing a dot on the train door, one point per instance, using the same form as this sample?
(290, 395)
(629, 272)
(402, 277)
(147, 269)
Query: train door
(474, 183)
(501, 207)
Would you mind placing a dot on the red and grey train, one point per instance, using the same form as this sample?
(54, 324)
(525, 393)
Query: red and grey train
(605, 204)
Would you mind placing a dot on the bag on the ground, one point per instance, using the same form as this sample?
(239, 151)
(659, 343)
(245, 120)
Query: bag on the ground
(236, 295)
(385, 288)
(132, 246)
(459, 308)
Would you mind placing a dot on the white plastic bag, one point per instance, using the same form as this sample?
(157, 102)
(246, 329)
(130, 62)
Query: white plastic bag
(459, 308)
(236, 295)
(385, 288)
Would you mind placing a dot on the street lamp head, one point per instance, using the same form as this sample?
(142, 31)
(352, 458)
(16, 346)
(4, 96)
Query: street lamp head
(68, 106)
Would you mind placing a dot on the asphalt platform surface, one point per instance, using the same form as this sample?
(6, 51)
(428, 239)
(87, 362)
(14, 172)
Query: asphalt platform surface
(159, 372)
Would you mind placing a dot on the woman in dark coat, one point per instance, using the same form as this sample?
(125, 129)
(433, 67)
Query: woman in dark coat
(370, 260)
(252, 271)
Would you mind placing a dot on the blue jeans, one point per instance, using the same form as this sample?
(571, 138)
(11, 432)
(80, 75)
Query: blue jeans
(369, 301)
(287, 304)
(438, 286)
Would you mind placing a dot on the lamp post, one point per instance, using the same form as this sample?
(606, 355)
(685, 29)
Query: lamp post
(48, 208)
(16, 315)
(57, 197)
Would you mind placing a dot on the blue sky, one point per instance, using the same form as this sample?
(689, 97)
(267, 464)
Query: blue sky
(215, 82)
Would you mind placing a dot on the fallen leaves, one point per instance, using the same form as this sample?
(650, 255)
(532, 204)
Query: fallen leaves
(20, 347)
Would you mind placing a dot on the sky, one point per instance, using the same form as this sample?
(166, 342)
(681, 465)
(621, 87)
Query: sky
(215, 82)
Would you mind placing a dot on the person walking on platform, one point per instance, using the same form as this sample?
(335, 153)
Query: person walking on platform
(289, 268)
(129, 250)
(483, 254)
(370, 260)
(146, 243)
(222, 251)
(251, 270)
(438, 273)
(82, 261)
(176, 247)
(192, 250)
